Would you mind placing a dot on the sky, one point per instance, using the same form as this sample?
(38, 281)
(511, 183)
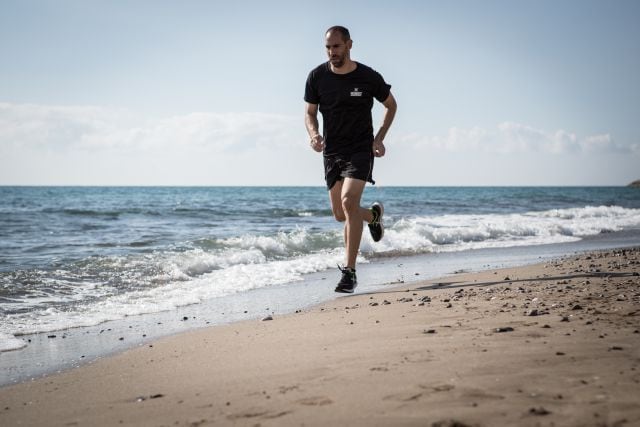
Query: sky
(211, 92)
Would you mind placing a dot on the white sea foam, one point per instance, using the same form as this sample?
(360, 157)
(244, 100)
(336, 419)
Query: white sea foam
(464, 232)
(224, 281)
(162, 281)
(8, 342)
(285, 243)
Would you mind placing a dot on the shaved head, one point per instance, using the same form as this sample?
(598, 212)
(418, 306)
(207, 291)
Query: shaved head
(344, 32)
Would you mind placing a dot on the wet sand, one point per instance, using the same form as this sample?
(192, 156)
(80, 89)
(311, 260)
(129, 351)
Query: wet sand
(549, 344)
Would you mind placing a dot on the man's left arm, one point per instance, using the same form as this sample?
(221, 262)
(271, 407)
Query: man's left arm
(390, 106)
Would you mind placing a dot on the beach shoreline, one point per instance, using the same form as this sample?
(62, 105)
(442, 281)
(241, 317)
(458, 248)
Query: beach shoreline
(543, 344)
(56, 351)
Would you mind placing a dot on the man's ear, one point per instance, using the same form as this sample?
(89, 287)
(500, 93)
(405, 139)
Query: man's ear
(349, 43)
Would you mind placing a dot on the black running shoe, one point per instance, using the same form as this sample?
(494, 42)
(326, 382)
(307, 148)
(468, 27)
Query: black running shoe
(348, 282)
(375, 227)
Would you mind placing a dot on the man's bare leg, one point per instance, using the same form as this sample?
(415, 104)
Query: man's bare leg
(349, 190)
(335, 196)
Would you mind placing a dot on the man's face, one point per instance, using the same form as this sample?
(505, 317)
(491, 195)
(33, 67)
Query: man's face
(337, 48)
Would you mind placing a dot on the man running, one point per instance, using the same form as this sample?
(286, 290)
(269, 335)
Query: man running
(344, 91)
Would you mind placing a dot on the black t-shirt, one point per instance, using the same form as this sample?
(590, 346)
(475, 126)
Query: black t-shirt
(345, 101)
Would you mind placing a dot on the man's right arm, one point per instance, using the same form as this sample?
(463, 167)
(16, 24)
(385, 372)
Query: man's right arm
(311, 122)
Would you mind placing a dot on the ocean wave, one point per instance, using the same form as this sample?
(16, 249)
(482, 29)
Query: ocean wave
(9, 342)
(87, 212)
(238, 211)
(464, 232)
(169, 295)
(285, 244)
(101, 288)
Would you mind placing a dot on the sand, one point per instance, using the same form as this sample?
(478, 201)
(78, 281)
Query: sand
(554, 344)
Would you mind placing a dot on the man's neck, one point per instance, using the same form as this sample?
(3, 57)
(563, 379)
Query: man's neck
(347, 67)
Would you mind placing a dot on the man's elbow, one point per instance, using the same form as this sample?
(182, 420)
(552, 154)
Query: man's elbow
(390, 103)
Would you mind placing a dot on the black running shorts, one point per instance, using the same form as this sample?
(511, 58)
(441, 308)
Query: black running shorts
(357, 165)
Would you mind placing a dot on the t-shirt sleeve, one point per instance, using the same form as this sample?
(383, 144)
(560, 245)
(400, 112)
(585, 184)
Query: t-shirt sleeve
(381, 89)
(311, 90)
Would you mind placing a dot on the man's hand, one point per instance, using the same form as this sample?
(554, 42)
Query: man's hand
(390, 106)
(378, 148)
(311, 122)
(317, 143)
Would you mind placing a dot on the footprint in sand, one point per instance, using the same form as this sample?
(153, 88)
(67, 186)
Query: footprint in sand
(409, 395)
(257, 414)
(404, 397)
(437, 388)
(315, 401)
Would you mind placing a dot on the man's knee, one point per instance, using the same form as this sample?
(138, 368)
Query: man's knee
(338, 214)
(350, 204)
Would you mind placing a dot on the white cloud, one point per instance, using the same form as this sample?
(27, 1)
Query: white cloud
(71, 145)
(60, 128)
(509, 137)
(62, 145)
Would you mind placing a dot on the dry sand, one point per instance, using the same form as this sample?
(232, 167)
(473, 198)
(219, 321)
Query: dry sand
(554, 344)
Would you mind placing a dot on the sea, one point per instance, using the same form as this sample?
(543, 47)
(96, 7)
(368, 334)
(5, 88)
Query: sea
(74, 257)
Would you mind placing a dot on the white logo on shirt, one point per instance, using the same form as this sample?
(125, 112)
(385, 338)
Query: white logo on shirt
(356, 92)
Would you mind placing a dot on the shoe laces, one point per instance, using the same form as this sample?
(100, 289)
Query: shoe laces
(347, 270)
(376, 216)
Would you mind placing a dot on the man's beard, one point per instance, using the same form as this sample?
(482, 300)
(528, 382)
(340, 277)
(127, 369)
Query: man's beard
(337, 61)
